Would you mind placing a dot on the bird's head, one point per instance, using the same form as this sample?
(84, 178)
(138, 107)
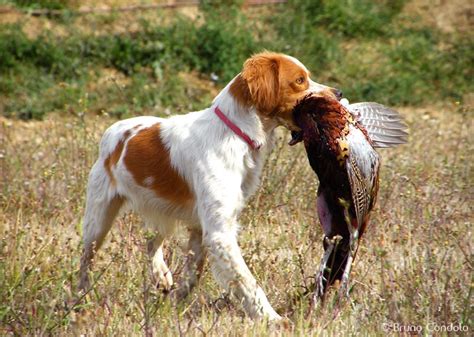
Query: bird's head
(309, 112)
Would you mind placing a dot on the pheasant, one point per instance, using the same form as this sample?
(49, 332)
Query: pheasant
(339, 140)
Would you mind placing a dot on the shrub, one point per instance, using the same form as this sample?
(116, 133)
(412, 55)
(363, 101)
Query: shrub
(44, 52)
(223, 41)
(47, 4)
(345, 18)
(357, 46)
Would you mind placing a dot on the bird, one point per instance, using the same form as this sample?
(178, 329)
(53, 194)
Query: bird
(340, 141)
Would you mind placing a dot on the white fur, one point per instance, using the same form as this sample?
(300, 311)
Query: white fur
(221, 170)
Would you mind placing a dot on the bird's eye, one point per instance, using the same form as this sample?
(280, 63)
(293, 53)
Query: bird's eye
(300, 80)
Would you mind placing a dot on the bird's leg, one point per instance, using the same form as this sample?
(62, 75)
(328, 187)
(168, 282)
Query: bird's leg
(353, 245)
(319, 277)
(345, 276)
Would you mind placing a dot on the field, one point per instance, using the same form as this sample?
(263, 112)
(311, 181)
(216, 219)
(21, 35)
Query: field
(414, 267)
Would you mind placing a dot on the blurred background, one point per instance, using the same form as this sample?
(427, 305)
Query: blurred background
(129, 57)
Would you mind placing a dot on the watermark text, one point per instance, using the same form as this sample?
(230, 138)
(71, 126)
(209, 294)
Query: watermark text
(419, 328)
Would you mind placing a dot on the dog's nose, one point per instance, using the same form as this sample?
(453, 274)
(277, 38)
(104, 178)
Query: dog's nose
(338, 93)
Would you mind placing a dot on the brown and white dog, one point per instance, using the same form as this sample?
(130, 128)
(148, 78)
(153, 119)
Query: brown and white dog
(198, 169)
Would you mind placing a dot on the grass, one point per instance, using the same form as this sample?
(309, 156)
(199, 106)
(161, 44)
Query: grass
(370, 50)
(414, 266)
(42, 4)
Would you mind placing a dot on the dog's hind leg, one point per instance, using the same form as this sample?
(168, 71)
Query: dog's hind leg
(160, 270)
(101, 209)
(195, 258)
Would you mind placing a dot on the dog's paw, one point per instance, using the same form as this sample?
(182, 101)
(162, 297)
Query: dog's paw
(162, 277)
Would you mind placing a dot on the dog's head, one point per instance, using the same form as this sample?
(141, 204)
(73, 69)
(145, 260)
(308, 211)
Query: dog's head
(274, 83)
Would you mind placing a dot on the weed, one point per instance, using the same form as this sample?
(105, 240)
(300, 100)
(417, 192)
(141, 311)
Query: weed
(44, 4)
(357, 46)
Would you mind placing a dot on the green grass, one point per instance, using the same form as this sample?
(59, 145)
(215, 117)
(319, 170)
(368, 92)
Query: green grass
(42, 4)
(368, 49)
(414, 266)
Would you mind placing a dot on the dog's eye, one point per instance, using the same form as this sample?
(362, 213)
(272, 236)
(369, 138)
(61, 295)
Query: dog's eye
(300, 80)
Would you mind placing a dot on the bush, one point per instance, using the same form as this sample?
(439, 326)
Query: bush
(45, 52)
(223, 41)
(346, 18)
(357, 46)
(46, 4)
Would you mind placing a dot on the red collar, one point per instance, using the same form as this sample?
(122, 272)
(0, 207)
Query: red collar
(238, 131)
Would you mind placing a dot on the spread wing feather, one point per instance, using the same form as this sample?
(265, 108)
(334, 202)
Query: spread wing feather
(385, 126)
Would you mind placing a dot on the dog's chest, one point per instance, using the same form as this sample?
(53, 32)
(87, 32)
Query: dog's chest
(253, 165)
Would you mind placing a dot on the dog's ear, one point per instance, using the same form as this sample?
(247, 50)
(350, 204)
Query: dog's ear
(261, 72)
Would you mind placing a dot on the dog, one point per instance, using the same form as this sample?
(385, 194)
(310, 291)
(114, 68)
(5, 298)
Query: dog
(198, 169)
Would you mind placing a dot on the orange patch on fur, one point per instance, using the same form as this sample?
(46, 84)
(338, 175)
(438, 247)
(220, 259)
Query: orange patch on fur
(149, 162)
(290, 90)
(114, 157)
(260, 72)
(240, 90)
(273, 83)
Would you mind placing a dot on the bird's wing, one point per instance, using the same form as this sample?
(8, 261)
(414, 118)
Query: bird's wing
(362, 167)
(385, 126)
(360, 193)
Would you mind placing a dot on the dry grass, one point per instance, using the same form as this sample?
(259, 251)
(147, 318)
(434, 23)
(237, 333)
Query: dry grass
(414, 266)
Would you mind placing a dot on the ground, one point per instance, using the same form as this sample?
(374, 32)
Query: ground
(414, 266)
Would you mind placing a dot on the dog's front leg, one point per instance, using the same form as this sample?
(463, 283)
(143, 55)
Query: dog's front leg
(232, 273)
(228, 265)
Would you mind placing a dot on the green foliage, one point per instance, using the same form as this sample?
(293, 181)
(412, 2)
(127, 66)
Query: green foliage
(45, 53)
(46, 4)
(30, 93)
(357, 46)
(223, 42)
(361, 18)
(415, 67)
(300, 34)
(127, 52)
(315, 30)
(348, 18)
